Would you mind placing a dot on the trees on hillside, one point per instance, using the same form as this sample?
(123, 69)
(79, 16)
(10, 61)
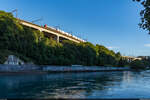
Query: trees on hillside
(32, 45)
(106, 56)
(138, 64)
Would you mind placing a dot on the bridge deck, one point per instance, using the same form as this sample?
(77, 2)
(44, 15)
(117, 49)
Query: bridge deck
(51, 31)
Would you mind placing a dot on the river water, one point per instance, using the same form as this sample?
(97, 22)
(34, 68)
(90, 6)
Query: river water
(125, 84)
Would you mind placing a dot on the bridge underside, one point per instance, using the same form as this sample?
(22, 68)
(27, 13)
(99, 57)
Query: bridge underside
(54, 37)
(57, 38)
(57, 35)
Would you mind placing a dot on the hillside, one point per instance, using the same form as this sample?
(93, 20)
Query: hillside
(32, 46)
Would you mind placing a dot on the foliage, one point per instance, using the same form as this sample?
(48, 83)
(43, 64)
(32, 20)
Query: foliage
(138, 64)
(33, 45)
(145, 14)
(106, 56)
(123, 63)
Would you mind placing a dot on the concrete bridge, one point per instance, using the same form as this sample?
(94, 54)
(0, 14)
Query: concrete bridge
(53, 33)
(130, 59)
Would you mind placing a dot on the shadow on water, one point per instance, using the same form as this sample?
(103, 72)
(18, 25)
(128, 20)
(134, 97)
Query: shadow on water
(71, 85)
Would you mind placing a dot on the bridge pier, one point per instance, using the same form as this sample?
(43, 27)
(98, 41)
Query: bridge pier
(40, 30)
(57, 38)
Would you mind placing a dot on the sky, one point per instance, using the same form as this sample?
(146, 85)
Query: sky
(112, 23)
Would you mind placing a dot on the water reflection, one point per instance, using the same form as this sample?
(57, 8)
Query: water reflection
(77, 85)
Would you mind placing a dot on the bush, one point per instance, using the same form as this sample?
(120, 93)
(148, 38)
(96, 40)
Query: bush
(138, 64)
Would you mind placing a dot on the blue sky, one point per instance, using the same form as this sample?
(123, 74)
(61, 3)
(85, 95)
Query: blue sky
(112, 23)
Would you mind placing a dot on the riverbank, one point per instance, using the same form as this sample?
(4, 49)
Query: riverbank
(52, 72)
(22, 73)
(33, 69)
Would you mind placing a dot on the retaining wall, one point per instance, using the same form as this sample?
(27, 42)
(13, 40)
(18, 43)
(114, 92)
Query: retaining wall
(81, 68)
(17, 68)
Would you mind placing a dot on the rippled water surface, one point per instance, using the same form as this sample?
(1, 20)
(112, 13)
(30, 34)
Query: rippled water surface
(77, 85)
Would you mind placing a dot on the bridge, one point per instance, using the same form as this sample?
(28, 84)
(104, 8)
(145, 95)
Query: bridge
(130, 59)
(53, 33)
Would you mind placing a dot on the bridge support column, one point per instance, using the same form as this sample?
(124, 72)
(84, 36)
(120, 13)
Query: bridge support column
(40, 30)
(57, 39)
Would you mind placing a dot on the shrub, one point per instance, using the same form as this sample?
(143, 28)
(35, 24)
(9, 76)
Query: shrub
(138, 64)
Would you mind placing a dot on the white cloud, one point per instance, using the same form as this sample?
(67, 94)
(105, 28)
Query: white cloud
(147, 45)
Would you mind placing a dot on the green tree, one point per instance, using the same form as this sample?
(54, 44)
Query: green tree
(138, 64)
(105, 56)
(145, 14)
(123, 62)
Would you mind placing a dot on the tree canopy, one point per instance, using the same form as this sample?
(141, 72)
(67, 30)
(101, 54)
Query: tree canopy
(145, 14)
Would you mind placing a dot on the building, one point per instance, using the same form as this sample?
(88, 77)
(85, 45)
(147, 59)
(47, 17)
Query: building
(13, 60)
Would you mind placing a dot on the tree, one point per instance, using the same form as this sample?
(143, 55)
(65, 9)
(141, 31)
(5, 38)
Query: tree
(106, 56)
(138, 64)
(145, 14)
(123, 62)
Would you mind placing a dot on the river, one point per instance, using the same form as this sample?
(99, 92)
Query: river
(123, 84)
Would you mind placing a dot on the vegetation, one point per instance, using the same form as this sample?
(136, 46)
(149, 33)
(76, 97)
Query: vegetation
(123, 63)
(145, 24)
(138, 64)
(145, 14)
(33, 46)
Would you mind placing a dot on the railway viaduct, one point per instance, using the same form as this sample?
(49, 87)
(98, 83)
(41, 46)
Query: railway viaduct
(130, 59)
(56, 34)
